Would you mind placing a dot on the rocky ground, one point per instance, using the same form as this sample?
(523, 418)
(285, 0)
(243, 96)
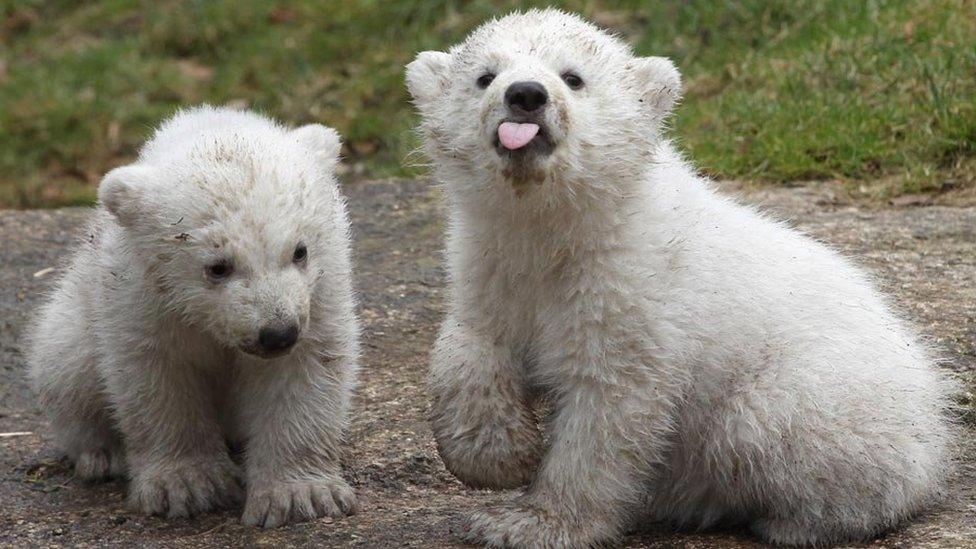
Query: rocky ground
(924, 255)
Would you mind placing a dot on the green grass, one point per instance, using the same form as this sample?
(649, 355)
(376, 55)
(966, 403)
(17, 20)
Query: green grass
(777, 91)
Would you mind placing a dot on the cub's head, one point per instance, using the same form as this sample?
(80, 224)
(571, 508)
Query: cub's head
(541, 96)
(234, 221)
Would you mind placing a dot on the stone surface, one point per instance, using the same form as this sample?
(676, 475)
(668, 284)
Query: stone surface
(924, 256)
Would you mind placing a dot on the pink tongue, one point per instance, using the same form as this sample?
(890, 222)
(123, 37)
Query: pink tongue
(515, 136)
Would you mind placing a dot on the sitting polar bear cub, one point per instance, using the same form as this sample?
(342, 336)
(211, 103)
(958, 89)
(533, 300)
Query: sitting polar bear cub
(211, 302)
(704, 363)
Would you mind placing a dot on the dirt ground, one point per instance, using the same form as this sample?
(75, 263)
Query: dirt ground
(925, 256)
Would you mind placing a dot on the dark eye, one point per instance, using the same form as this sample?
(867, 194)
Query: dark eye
(219, 270)
(301, 254)
(572, 80)
(485, 80)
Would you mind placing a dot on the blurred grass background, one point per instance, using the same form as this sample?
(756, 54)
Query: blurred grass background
(878, 93)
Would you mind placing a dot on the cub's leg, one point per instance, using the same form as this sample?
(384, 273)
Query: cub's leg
(806, 460)
(610, 426)
(177, 458)
(879, 454)
(62, 368)
(481, 415)
(294, 412)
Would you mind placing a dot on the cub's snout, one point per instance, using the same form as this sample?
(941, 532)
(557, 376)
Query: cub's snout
(526, 97)
(276, 340)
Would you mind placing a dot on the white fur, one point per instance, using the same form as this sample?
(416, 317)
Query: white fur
(140, 360)
(703, 362)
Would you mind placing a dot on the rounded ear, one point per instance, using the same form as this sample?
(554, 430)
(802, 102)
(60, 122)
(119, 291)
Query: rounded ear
(658, 80)
(322, 141)
(124, 193)
(427, 75)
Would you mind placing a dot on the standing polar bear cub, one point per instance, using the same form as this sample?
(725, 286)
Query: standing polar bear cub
(704, 363)
(211, 304)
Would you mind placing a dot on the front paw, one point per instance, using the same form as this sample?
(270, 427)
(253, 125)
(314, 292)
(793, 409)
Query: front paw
(500, 453)
(518, 526)
(183, 488)
(496, 467)
(99, 463)
(271, 504)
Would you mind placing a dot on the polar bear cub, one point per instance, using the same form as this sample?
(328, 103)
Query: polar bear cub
(703, 363)
(210, 305)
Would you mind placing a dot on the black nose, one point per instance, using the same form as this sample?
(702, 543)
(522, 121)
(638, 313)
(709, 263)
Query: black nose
(277, 338)
(526, 96)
